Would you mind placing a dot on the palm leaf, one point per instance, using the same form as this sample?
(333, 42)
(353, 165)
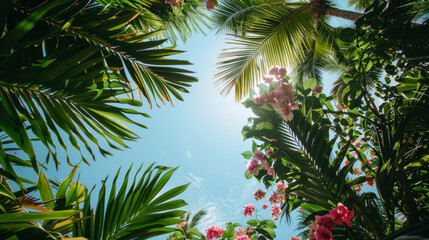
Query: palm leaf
(276, 35)
(140, 211)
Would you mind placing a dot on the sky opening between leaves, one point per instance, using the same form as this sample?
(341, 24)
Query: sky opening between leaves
(201, 135)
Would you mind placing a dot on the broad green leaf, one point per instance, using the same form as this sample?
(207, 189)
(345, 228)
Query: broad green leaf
(45, 190)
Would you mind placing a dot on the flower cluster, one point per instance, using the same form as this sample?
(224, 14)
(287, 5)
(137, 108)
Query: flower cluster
(174, 3)
(248, 209)
(275, 212)
(323, 225)
(241, 234)
(259, 194)
(282, 98)
(214, 232)
(253, 165)
(276, 198)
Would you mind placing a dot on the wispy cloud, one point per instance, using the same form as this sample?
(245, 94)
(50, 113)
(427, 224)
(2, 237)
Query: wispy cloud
(195, 181)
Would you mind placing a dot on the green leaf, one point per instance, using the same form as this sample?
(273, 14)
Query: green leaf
(247, 155)
(271, 232)
(248, 175)
(45, 190)
(254, 146)
(252, 222)
(310, 83)
(36, 216)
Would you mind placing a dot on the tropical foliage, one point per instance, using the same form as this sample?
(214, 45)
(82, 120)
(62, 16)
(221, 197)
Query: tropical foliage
(66, 67)
(370, 133)
(296, 34)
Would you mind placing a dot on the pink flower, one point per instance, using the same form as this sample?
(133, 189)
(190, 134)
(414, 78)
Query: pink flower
(182, 224)
(214, 232)
(243, 237)
(269, 152)
(343, 214)
(294, 238)
(264, 206)
(259, 194)
(282, 72)
(328, 221)
(275, 198)
(258, 155)
(267, 78)
(274, 70)
(323, 233)
(265, 165)
(248, 209)
(210, 5)
(275, 219)
(239, 232)
(313, 228)
(316, 90)
(272, 140)
(15, 153)
(275, 211)
(270, 171)
(281, 187)
(252, 166)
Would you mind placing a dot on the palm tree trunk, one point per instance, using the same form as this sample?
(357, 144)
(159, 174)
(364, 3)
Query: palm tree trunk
(348, 15)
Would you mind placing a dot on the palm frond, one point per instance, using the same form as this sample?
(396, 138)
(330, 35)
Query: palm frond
(277, 36)
(142, 210)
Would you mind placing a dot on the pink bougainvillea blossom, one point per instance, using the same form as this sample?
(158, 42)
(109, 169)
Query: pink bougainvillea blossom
(248, 209)
(265, 165)
(239, 232)
(252, 166)
(210, 5)
(258, 155)
(276, 198)
(259, 194)
(328, 221)
(243, 237)
(272, 140)
(268, 78)
(269, 152)
(270, 171)
(274, 70)
(214, 232)
(264, 206)
(282, 98)
(313, 228)
(281, 187)
(275, 211)
(323, 225)
(323, 233)
(182, 224)
(343, 213)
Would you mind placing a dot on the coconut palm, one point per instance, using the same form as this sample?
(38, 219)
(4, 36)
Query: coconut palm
(295, 34)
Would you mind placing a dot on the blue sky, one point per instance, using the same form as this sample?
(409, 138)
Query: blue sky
(201, 135)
